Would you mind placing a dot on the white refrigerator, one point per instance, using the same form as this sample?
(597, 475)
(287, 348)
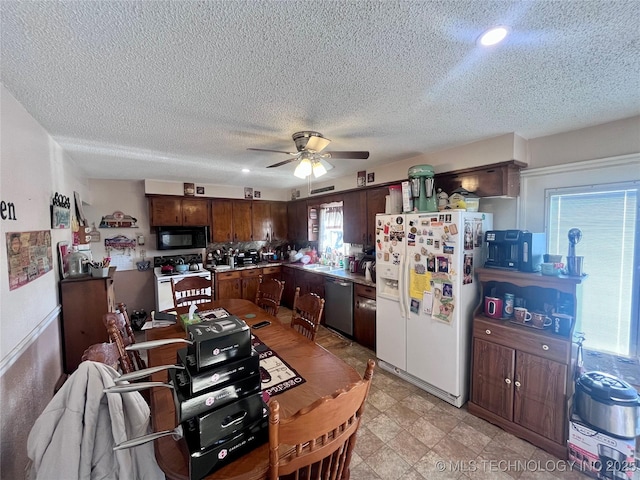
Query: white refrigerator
(426, 291)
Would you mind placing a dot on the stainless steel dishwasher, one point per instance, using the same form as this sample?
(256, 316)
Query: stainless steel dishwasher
(338, 304)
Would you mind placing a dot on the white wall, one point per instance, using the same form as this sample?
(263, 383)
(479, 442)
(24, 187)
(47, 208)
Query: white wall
(33, 169)
(607, 153)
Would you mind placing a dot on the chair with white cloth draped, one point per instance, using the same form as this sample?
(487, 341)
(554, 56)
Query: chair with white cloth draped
(74, 436)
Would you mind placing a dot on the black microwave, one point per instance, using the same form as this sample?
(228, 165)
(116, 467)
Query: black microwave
(174, 238)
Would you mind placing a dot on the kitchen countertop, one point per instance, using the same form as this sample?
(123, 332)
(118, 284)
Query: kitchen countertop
(317, 269)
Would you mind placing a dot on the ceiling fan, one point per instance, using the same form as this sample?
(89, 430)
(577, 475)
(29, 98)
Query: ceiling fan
(309, 144)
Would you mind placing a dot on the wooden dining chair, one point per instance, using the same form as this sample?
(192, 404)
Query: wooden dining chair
(306, 314)
(269, 295)
(190, 290)
(116, 329)
(130, 336)
(106, 353)
(317, 441)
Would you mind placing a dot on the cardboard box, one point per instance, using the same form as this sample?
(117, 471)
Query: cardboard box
(192, 382)
(203, 461)
(210, 427)
(593, 452)
(188, 406)
(217, 341)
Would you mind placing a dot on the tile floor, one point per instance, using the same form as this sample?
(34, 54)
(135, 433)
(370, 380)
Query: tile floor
(406, 432)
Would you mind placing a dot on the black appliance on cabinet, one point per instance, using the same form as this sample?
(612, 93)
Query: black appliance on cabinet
(183, 238)
(515, 250)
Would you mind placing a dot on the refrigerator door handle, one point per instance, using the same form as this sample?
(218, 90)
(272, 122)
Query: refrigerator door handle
(401, 292)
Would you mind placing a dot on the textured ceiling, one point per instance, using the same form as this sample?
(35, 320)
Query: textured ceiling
(179, 90)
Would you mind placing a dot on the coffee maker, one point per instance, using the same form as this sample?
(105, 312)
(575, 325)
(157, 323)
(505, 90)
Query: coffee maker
(515, 250)
(422, 188)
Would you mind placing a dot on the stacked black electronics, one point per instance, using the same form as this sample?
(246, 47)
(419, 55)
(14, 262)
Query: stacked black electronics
(217, 396)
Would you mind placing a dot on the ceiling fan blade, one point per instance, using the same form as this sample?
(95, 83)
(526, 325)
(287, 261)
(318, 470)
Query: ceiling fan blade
(279, 164)
(317, 144)
(354, 155)
(266, 150)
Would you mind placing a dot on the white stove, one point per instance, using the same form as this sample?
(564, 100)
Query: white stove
(164, 295)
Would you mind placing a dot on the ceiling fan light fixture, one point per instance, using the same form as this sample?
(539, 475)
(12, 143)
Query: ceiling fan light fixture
(318, 169)
(304, 168)
(493, 36)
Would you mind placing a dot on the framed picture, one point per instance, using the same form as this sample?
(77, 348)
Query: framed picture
(256, 194)
(362, 177)
(371, 177)
(200, 190)
(248, 192)
(60, 217)
(63, 249)
(189, 189)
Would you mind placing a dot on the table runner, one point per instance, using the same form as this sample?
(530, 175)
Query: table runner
(276, 375)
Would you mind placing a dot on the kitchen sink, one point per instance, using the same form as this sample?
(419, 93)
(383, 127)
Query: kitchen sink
(317, 267)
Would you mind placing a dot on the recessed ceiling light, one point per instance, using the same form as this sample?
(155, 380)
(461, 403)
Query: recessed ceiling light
(245, 170)
(493, 36)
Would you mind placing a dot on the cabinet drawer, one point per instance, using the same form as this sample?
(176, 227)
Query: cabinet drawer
(518, 338)
(271, 270)
(252, 272)
(365, 291)
(227, 275)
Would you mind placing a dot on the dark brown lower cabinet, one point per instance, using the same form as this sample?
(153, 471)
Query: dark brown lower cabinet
(84, 302)
(364, 316)
(523, 392)
(228, 285)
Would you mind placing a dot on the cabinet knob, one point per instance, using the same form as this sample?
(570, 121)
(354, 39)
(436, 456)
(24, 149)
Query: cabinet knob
(487, 331)
(517, 384)
(545, 347)
(507, 381)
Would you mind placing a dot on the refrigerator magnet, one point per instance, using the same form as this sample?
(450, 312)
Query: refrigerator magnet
(416, 257)
(427, 302)
(453, 229)
(431, 264)
(423, 251)
(447, 290)
(399, 220)
(443, 264)
(436, 244)
(421, 240)
(448, 249)
(415, 305)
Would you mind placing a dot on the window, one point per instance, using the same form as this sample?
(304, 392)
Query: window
(607, 215)
(330, 239)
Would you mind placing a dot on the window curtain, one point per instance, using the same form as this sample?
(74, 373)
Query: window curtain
(330, 219)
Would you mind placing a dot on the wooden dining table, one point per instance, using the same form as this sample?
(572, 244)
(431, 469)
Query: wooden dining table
(324, 373)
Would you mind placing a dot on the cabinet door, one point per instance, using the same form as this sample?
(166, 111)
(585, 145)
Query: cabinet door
(229, 289)
(279, 230)
(250, 282)
(271, 272)
(261, 220)
(165, 212)
(222, 220)
(195, 212)
(242, 220)
(297, 220)
(492, 377)
(376, 199)
(354, 219)
(289, 278)
(540, 391)
(364, 322)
